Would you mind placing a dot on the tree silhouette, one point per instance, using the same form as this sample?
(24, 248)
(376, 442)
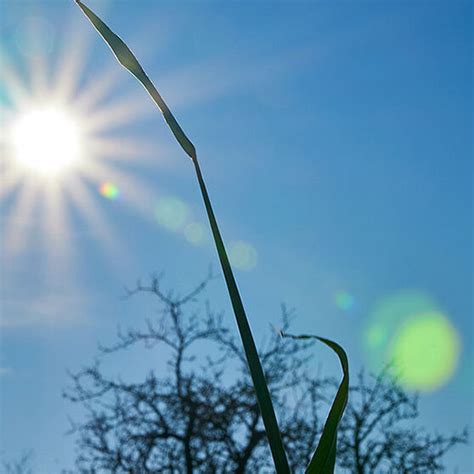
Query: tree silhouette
(197, 418)
(22, 465)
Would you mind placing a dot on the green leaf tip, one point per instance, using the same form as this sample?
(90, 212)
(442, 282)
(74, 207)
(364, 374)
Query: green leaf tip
(324, 458)
(128, 60)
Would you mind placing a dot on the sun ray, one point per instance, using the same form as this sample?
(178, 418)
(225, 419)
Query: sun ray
(136, 193)
(101, 226)
(15, 86)
(56, 229)
(18, 232)
(36, 58)
(10, 180)
(116, 149)
(72, 60)
(119, 112)
(96, 90)
(37, 71)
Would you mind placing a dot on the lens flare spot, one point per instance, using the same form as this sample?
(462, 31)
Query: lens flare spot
(425, 351)
(195, 233)
(344, 300)
(109, 190)
(171, 213)
(409, 331)
(376, 336)
(242, 255)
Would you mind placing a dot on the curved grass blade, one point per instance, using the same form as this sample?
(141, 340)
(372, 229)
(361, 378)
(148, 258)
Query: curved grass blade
(324, 458)
(128, 60)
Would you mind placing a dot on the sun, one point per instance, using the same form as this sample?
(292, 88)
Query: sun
(46, 140)
(64, 148)
(71, 147)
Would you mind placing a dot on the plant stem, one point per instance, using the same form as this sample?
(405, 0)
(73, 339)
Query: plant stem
(253, 361)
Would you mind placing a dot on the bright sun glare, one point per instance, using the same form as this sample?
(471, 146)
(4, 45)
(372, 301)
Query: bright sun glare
(46, 140)
(66, 144)
(63, 145)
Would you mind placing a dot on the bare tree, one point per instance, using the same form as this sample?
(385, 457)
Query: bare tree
(19, 466)
(195, 418)
(377, 433)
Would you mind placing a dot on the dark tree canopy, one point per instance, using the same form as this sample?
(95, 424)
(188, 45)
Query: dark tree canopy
(201, 416)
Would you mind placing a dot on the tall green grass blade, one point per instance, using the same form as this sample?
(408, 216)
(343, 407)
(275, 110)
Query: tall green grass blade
(256, 371)
(324, 458)
(128, 60)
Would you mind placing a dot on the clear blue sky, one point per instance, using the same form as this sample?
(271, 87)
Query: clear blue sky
(336, 141)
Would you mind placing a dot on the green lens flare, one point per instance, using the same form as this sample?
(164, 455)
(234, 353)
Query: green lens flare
(195, 233)
(242, 255)
(409, 331)
(387, 315)
(171, 213)
(344, 300)
(376, 336)
(425, 351)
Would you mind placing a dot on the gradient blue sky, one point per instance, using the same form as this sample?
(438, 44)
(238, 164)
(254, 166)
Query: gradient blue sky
(335, 138)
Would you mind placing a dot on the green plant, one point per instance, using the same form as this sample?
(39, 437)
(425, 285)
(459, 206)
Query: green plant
(324, 457)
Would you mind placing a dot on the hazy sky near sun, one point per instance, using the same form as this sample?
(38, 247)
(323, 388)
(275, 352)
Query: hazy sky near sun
(336, 142)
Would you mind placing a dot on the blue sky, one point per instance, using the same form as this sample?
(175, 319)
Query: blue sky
(336, 142)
